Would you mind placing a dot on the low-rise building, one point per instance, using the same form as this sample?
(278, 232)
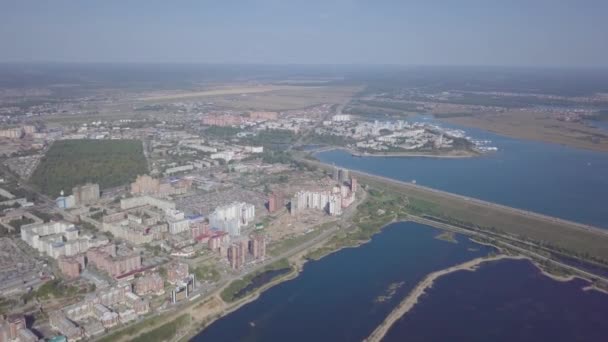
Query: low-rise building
(14, 328)
(177, 272)
(71, 266)
(59, 321)
(86, 194)
(65, 202)
(106, 259)
(151, 283)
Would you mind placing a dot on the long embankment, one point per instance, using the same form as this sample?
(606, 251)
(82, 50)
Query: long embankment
(476, 201)
(413, 297)
(448, 155)
(574, 237)
(507, 243)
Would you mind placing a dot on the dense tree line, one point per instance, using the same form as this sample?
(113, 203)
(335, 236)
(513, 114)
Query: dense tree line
(73, 162)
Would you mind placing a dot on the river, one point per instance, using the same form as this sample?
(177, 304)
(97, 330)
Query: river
(336, 298)
(550, 179)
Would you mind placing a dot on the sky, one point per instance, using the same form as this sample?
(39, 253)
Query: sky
(416, 32)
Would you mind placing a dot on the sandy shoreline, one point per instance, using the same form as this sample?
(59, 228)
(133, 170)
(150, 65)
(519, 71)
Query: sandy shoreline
(594, 288)
(412, 298)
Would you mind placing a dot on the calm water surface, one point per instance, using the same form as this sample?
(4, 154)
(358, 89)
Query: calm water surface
(546, 178)
(334, 299)
(508, 300)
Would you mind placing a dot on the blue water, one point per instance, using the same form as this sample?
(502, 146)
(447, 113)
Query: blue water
(334, 298)
(546, 178)
(505, 301)
(602, 125)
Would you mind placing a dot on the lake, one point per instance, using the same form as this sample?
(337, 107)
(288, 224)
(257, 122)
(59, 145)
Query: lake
(335, 298)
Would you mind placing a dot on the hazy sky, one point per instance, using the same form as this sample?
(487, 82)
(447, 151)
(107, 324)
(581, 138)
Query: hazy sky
(449, 32)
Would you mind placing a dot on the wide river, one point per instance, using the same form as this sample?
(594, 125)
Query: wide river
(546, 178)
(337, 297)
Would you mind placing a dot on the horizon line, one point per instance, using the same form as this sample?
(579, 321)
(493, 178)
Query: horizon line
(389, 65)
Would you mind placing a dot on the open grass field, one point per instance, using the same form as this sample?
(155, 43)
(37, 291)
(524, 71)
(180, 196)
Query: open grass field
(266, 97)
(292, 97)
(219, 91)
(73, 162)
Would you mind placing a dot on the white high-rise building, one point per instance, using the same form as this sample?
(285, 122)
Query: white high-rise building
(340, 117)
(58, 238)
(314, 200)
(230, 218)
(335, 205)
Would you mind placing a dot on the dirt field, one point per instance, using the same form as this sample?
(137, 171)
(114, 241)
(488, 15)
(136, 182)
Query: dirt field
(284, 225)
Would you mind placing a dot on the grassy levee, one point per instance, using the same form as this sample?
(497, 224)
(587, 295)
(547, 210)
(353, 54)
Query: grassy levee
(559, 236)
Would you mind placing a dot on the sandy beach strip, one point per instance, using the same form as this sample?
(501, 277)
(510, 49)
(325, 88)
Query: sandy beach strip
(412, 298)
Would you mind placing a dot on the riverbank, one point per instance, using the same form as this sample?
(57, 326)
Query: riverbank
(300, 259)
(205, 316)
(449, 154)
(530, 125)
(557, 232)
(413, 297)
(555, 277)
(382, 209)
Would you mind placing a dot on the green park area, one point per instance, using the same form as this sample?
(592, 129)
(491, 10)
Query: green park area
(74, 162)
(161, 333)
